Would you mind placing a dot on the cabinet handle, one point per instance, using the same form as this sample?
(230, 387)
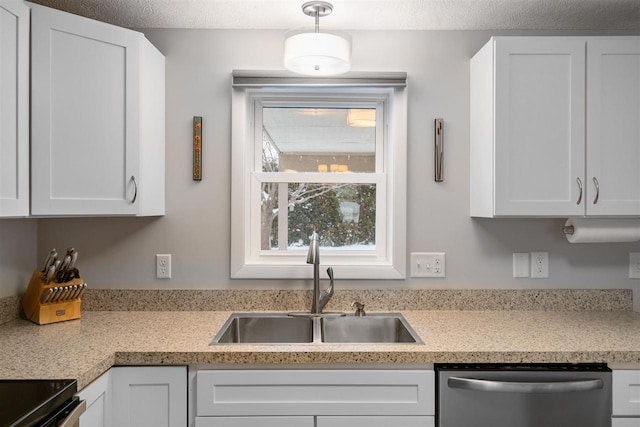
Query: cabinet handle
(580, 187)
(135, 186)
(595, 182)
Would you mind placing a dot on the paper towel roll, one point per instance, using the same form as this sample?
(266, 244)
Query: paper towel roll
(603, 230)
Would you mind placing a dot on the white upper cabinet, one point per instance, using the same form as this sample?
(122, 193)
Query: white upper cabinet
(14, 108)
(97, 112)
(531, 100)
(613, 127)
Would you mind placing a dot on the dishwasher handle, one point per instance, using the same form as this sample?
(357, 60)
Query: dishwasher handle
(525, 387)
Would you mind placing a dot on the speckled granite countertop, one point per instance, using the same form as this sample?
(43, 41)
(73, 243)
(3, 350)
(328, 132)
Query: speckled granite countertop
(83, 349)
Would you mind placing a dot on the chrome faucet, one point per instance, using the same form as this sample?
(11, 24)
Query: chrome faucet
(320, 299)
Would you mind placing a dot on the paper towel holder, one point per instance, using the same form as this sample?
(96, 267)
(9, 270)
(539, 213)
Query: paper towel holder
(568, 229)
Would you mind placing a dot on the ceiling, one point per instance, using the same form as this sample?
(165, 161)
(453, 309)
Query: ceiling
(364, 14)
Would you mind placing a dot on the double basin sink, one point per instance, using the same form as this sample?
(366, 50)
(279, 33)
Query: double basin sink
(298, 328)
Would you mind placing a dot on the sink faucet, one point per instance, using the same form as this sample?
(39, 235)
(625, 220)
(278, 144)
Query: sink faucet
(320, 299)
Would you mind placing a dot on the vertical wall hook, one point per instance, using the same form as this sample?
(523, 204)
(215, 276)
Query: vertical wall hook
(439, 150)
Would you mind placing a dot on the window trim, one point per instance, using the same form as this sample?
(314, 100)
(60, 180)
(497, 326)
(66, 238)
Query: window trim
(392, 265)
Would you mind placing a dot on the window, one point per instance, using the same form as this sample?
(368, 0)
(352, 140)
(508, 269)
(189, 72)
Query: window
(324, 157)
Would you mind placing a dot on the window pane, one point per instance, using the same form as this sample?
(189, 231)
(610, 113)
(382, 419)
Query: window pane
(344, 215)
(318, 139)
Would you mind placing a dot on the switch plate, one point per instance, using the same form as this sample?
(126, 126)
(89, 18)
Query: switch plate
(163, 266)
(427, 264)
(521, 264)
(634, 265)
(540, 265)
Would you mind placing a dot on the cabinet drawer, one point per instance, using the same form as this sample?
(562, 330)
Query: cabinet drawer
(626, 393)
(315, 392)
(376, 422)
(625, 422)
(254, 422)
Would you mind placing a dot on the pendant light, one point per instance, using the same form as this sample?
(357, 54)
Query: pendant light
(317, 53)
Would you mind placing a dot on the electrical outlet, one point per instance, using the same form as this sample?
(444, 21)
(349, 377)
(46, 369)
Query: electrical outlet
(427, 264)
(540, 265)
(520, 264)
(634, 265)
(163, 266)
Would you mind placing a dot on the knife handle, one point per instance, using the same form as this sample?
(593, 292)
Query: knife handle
(83, 287)
(46, 296)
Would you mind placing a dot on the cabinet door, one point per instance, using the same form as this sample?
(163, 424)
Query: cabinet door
(613, 126)
(539, 126)
(85, 107)
(149, 396)
(375, 422)
(626, 393)
(98, 398)
(254, 422)
(14, 108)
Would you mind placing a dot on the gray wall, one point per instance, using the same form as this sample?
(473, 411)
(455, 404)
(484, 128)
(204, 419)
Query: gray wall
(18, 239)
(120, 252)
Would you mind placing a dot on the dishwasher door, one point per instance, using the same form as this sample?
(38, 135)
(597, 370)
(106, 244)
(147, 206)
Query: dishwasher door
(524, 396)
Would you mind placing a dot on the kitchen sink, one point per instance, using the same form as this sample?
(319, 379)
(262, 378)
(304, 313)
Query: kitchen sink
(273, 328)
(283, 328)
(372, 328)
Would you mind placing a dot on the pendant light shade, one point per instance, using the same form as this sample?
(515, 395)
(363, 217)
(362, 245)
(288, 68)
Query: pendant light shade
(317, 53)
(320, 54)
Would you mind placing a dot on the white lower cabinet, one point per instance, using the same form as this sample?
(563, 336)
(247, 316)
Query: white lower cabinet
(97, 395)
(362, 421)
(625, 422)
(318, 397)
(626, 398)
(254, 422)
(408, 421)
(137, 397)
(150, 396)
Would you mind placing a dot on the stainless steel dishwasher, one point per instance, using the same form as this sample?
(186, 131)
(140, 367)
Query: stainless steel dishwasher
(523, 395)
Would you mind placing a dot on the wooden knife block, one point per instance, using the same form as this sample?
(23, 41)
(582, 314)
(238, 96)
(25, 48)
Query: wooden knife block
(48, 312)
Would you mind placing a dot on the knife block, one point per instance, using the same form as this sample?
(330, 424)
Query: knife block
(48, 312)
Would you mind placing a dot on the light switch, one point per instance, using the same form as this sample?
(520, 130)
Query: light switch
(427, 264)
(521, 264)
(634, 265)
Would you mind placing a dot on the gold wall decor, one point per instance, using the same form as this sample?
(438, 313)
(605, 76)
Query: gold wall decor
(197, 148)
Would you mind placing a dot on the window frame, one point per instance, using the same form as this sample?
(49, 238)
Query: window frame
(388, 261)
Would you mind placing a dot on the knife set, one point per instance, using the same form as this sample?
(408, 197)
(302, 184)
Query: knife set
(54, 291)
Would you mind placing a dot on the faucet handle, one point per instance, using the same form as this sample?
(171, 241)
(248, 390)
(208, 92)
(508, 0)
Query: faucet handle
(330, 274)
(326, 295)
(359, 309)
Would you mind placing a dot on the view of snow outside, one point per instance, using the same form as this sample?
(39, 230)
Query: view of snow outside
(344, 214)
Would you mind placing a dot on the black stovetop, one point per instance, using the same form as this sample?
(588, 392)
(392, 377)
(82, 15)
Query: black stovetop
(28, 402)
